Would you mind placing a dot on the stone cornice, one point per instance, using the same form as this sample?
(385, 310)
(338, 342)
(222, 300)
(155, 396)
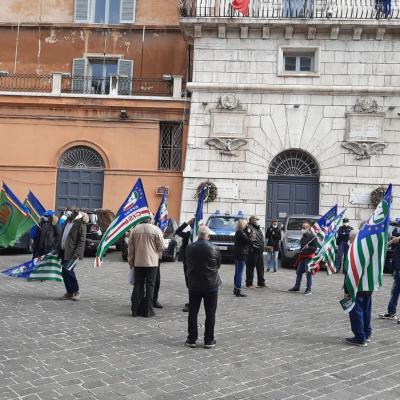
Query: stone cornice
(295, 89)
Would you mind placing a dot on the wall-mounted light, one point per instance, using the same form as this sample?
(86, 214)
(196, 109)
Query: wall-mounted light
(391, 108)
(3, 73)
(296, 105)
(123, 114)
(167, 77)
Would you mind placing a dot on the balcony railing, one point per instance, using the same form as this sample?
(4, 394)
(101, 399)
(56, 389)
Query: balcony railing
(59, 83)
(331, 9)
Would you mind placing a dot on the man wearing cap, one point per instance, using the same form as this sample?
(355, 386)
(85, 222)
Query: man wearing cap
(342, 242)
(46, 236)
(255, 257)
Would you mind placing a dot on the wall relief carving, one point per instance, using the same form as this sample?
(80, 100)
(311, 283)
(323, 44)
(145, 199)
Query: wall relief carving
(227, 146)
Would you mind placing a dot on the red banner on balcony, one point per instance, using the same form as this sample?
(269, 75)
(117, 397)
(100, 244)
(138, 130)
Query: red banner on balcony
(242, 6)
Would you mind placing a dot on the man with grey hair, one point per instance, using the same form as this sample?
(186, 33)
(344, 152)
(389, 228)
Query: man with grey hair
(203, 261)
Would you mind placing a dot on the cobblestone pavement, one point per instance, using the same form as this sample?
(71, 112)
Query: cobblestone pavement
(270, 345)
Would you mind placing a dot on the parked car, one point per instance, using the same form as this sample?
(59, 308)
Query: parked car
(222, 231)
(291, 235)
(174, 243)
(24, 243)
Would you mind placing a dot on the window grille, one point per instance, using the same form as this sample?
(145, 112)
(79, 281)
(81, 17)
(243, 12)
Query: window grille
(170, 145)
(293, 163)
(81, 157)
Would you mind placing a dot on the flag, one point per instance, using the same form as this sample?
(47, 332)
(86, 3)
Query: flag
(132, 211)
(320, 227)
(161, 217)
(198, 218)
(45, 268)
(14, 217)
(366, 256)
(35, 207)
(242, 6)
(326, 253)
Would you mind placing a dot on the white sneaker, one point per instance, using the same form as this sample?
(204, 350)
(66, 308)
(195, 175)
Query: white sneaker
(76, 296)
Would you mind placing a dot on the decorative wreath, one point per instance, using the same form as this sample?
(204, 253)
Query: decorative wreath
(377, 195)
(211, 191)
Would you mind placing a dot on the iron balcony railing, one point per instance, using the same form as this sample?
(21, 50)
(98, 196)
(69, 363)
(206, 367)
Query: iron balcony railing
(25, 83)
(331, 9)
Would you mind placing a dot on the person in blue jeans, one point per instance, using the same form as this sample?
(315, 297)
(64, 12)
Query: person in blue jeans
(273, 236)
(394, 298)
(241, 251)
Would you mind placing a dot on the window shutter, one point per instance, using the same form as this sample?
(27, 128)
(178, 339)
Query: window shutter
(79, 67)
(128, 11)
(125, 73)
(81, 10)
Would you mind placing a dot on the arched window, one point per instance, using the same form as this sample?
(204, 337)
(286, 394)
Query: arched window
(81, 157)
(293, 163)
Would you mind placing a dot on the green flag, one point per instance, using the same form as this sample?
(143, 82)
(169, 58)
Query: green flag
(15, 219)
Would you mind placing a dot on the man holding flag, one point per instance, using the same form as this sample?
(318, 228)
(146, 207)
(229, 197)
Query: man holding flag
(364, 270)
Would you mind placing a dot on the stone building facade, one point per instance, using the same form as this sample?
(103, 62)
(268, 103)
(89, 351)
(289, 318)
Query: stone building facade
(280, 134)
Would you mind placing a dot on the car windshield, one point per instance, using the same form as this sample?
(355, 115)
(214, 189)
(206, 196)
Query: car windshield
(294, 224)
(225, 223)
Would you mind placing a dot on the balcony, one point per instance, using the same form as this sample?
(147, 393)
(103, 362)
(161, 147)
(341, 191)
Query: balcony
(301, 9)
(171, 86)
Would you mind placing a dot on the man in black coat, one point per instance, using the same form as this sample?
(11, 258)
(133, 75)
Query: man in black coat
(47, 235)
(342, 242)
(184, 232)
(203, 261)
(255, 257)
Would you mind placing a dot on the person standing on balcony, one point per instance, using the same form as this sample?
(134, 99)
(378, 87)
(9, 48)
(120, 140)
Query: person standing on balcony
(255, 257)
(273, 236)
(241, 252)
(342, 242)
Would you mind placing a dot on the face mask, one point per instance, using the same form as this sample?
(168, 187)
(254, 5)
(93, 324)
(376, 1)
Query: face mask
(68, 213)
(346, 224)
(274, 225)
(45, 219)
(303, 231)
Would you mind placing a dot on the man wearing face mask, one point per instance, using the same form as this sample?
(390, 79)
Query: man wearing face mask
(273, 236)
(71, 248)
(47, 235)
(342, 242)
(308, 246)
(255, 257)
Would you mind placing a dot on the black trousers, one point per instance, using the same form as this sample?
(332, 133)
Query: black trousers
(157, 285)
(210, 306)
(143, 291)
(255, 260)
(185, 272)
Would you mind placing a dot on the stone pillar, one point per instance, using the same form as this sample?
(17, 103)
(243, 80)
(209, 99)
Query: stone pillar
(114, 83)
(56, 83)
(176, 86)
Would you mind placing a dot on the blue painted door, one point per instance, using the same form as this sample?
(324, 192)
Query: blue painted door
(288, 195)
(79, 187)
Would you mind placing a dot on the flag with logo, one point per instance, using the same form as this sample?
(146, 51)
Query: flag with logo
(161, 216)
(327, 251)
(15, 219)
(320, 227)
(242, 6)
(132, 211)
(366, 256)
(198, 218)
(45, 268)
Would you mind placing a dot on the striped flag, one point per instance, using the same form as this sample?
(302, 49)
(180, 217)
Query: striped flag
(366, 256)
(132, 211)
(45, 268)
(326, 253)
(161, 217)
(198, 218)
(320, 227)
(35, 207)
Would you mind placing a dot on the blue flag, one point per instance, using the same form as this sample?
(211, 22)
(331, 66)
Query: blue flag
(161, 217)
(320, 227)
(198, 219)
(132, 211)
(35, 207)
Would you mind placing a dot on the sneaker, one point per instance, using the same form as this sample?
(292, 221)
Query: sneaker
(294, 289)
(250, 287)
(157, 305)
(262, 285)
(368, 340)
(307, 292)
(67, 296)
(190, 343)
(210, 345)
(355, 342)
(76, 296)
(387, 316)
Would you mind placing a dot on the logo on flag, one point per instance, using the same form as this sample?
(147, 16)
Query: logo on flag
(161, 217)
(5, 216)
(133, 198)
(320, 228)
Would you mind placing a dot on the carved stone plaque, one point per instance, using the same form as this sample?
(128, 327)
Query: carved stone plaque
(359, 196)
(364, 126)
(228, 123)
(228, 191)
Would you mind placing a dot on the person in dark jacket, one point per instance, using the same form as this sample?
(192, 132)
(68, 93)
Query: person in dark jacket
(241, 251)
(184, 231)
(203, 261)
(273, 236)
(255, 257)
(342, 242)
(71, 248)
(47, 235)
(308, 246)
(394, 298)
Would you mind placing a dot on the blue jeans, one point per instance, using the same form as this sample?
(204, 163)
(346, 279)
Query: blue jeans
(343, 249)
(360, 317)
(272, 260)
(301, 269)
(392, 307)
(70, 281)
(239, 267)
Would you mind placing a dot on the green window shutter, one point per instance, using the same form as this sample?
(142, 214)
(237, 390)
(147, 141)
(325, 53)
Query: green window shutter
(125, 73)
(127, 11)
(79, 68)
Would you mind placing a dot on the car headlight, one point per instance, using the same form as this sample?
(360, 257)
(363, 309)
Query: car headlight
(212, 232)
(293, 244)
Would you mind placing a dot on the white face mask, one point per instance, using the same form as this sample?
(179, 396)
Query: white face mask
(68, 213)
(274, 225)
(304, 231)
(346, 224)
